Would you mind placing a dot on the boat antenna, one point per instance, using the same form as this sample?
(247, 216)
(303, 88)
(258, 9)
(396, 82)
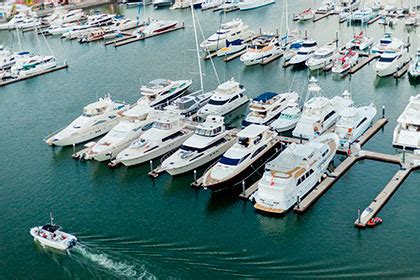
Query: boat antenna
(138, 15)
(144, 8)
(196, 47)
(51, 218)
(19, 43)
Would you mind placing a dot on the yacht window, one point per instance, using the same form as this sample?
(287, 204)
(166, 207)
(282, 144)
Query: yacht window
(244, 141)
(147, 126)
(160, 125)
(302, 53)
(199, 150)
(234, 98)
(229, 161)
(99, 122)
(304, 176)
(217, 102)
(308, 45)
(325, 152)
(387, 59)
(361, 122)
(257, 139)
(173, 136)
(329, 115)
(258, 151)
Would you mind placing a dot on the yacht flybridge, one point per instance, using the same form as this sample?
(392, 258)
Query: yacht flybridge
(262, 48)
(228, 96)
(255, 143)
(231, 31)
(52, 236)
(387, 43)
(407, 132)
(319, 112)
(391, 61)
(159, 92)
(167, 133)
(97, 119)
(267, 107)
(134, 122)
(210, 141)
(293, 173)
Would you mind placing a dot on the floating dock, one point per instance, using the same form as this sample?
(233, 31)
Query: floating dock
(363, 63)
(375, 19)
(324, 15)
(15, 80)
(403, 70)
(233, 56)
(271, 59)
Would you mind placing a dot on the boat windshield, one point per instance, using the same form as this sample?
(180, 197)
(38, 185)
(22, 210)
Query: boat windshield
(308, 45)
(162, 125)
(302, 53)
(232, 161)
(288, 116)
(385, 42)
(387, 59)
(208, 132)
(217, 102)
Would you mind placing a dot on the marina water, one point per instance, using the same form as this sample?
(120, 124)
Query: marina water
(131, 226)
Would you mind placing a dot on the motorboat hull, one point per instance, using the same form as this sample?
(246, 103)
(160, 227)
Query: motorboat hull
(69, 243)
(243, 6)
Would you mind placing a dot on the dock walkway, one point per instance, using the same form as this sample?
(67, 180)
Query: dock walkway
(15, 80)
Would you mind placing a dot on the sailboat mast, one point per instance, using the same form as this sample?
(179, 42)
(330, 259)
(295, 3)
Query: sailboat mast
(19, 44)
(196, 47)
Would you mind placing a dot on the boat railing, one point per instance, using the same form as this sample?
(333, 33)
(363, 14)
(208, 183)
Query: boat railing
(53, 133)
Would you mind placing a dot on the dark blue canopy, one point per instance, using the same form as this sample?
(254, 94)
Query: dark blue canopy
(265, 96)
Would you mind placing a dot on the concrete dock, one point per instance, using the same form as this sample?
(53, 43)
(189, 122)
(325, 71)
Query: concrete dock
(15, 80)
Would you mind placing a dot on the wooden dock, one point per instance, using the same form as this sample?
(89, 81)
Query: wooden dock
(271, 59)
(15, 80)
(372, 131)
(362, 63)
(233, 56)
(245, 195)
(135, 38)
(324, 15)
(403, 70)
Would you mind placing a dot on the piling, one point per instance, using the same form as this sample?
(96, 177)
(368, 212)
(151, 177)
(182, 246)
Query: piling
(151, 165)
(195, 175)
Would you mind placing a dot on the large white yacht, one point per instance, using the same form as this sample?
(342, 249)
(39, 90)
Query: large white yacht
(97, 119)
(293, 173)
(319, 112)
(155, 26)
(267, 107)
(33, 65)
(322, 57)
(407, 132)
(228, 96)
(288, 118)
(245, 5)
(353, 122)
(210, 141)
(167, 133)
(304, 53)
(255, 143)
(231, 30)
(362, 15)
(414, 70)
(159, 92)
(391, 61)
(262, 48)
(134, 122)
(387, 43)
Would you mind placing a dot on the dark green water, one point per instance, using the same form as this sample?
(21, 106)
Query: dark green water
(131, 226)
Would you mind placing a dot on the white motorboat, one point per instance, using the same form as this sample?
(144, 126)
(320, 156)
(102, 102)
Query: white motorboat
(13, 22)
(360, 42)
(267, 107)
(362, 16)
(387, 43)
(94, 34)
(322, 57)
(288, 118)
(390, 62)
(345, 62)
(160, 92)
(326, 6)
(245, 5)
(230, 31)
(292, 49)
(308, 48)
(167, 133)
(293, 173)
(353, 122)
(255, 143)
(134, 122)
(189, 104)
(126, 24)
(210, 4)
(33, 65)
(262, 48)
(414, 69)
(100, 20)
(319, 112)
(209, 141)
(28, 23)
(161, 3)
(7, 61)
(228, 96)
(411, 19)
(155, 26)
(77, 31)
(407, 132)
(61, 29)
(305, 15)
(97, 119)
(377, 5)
(72, 16)
(51, 235)
(232, 47)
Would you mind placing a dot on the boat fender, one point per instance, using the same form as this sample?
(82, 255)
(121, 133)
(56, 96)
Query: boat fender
(349, 152)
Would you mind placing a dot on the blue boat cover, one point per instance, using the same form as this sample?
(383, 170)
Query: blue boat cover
(265, 96)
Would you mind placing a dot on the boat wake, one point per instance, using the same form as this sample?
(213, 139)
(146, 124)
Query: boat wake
(108, 264)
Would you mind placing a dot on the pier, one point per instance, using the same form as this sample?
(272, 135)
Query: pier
(375, 19)
(403, 70)
(233, 56)
(359, 65)
(15, 80)
(322, 16)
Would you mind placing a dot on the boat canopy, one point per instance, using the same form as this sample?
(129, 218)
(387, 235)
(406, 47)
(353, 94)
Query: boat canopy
(252, 131)
(264, 97)
(50, 228)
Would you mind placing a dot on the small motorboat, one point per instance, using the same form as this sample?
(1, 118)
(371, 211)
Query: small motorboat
(305, 15)
(50, 235)
(374, 222)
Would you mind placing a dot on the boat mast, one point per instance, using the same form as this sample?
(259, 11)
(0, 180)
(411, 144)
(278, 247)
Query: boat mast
(51, 218)
(19, 44)
(197, 50)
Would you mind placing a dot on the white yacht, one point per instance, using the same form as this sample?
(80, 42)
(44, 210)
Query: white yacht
(288, 118)
(390, 62)
(155, 26)
(293, 173)
(77, 31)
(345, 62)
(97, 119)
(261, 49)
(33, 65)
(267, 107)
(72, 16)
(167, 133)
(255, 143)
(414, 70)
(411, 20)
(134, 122)
(362, 15)
(228, 96)
(8, 60)
(232, 47)
(231, 30)
(210, 141)
(327, 6)
(160, 92)
(189, 104)
(52, 236)
(126, 24)
(210, 4)
(319, 112)
(353, 122)
(245, 5)
(407, 132)
(322, 57)
(387, 43)
(100, 20)
(304, 53)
